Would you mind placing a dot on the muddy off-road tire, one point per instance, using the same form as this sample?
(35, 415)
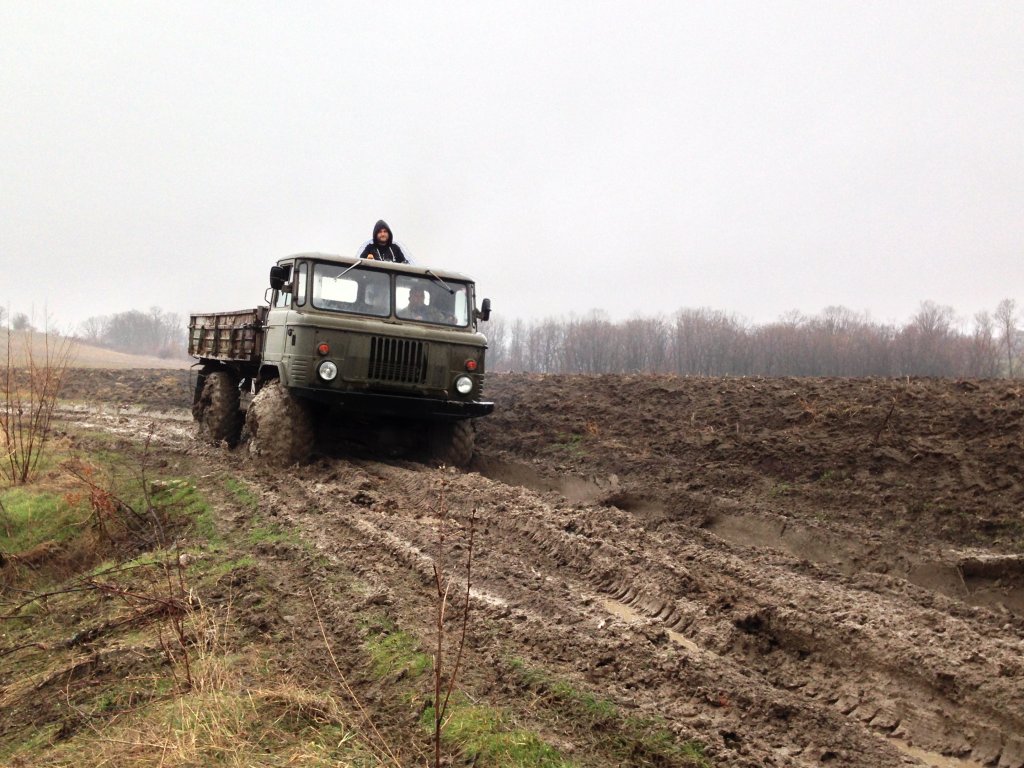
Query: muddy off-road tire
(216, 408)
(281, 427)
(452, 442)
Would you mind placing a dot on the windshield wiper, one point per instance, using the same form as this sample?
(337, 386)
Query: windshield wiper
(349, 269)
(443, 284)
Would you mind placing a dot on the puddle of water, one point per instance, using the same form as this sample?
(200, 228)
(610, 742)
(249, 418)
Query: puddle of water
(931, 758)
(786, 536)
(627, 614)
(575, 489)
(985, 580)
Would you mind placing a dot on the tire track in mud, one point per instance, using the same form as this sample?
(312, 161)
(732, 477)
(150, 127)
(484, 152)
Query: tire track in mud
(942, 684)
(552, 585)
(795, 664)
(905, 661)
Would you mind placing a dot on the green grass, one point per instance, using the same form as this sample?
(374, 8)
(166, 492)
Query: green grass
(181, 497)
(221, 724)
(572, 444)
(134, 709)
(631, 740)
(30, 517)
(485, 737)
(271, 533)
(242, 493)
(35, 744)
(223, 567)
(396, 654)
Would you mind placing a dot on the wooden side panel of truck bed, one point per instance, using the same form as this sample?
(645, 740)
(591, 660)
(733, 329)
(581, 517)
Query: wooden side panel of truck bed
(227, 335)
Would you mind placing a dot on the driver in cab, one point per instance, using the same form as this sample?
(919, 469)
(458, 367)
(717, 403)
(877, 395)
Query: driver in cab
(418, 309)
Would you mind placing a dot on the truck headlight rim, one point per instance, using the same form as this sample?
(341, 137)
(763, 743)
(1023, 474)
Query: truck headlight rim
(327, 370)
(463, 385)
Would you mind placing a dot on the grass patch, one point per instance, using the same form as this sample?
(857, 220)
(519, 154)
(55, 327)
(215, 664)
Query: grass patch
(627, 739)
(396, 654)
(572, 444)
(29, 517)
(121, 663)
(242, 493)
(485, 737)
(225, 720)
(181, 496)
(271, 533)
(220, 568)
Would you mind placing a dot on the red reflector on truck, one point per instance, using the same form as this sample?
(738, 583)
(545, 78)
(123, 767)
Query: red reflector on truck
(471, 365)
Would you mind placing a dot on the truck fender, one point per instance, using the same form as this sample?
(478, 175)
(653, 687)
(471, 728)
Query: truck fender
(272, 372)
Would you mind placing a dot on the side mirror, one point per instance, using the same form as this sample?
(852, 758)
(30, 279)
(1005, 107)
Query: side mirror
(484, 313)
(278, 276)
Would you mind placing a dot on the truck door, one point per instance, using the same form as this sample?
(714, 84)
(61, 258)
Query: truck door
(276, 324)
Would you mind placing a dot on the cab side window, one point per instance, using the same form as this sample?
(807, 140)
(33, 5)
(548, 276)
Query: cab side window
(299, 283)
(283, 297)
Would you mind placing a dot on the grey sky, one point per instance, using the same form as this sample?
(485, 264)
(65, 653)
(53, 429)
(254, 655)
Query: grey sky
(636, 157)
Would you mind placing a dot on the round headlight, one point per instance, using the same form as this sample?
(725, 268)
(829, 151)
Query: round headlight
(464, 385)
(327, 370)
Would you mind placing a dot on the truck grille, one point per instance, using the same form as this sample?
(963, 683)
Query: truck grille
(398, 360)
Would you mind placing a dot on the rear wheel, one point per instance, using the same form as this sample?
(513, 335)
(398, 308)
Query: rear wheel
(216, 407)
(451, 442)
(280, 425)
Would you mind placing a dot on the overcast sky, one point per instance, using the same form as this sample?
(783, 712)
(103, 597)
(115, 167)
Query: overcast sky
(637, 157)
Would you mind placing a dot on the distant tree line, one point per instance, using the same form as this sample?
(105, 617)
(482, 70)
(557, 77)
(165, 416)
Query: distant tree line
(156, 333)
(706, 342)
(19, 321)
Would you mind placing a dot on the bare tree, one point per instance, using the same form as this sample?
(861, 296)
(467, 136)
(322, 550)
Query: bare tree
(1006, 318)
(517, 345)
(93, 329)
(984, 349)
(923, 341)
(496, 330)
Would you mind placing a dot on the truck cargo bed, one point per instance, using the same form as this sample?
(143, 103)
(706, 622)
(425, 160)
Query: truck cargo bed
(227, 335)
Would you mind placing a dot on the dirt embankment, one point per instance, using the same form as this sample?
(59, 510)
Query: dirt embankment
(792, 572)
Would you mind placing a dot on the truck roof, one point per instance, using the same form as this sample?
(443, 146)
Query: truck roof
(413, 269)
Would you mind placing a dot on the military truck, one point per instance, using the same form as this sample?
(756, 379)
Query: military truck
(345, 345)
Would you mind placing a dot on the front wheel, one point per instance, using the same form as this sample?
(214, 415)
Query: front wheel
(452, 442)
(281, 426)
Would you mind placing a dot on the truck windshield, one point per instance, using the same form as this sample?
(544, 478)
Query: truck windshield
(361, 291)
(426, 300)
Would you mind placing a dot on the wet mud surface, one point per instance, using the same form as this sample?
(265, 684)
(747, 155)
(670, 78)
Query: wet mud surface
(793, 572)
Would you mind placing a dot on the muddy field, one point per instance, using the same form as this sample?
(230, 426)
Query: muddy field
(793, 572)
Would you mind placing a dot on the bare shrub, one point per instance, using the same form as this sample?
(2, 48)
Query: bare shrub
(33, 374)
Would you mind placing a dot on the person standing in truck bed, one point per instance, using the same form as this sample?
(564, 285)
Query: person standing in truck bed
(382, 247)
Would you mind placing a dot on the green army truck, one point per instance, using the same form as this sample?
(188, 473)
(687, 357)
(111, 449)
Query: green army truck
(345, 345)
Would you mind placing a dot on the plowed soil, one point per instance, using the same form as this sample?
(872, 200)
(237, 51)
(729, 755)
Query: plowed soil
(793, 572)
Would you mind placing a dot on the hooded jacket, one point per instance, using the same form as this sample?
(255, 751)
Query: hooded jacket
(390, 252)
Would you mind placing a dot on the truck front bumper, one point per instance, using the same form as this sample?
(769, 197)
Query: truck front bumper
(377, 404)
